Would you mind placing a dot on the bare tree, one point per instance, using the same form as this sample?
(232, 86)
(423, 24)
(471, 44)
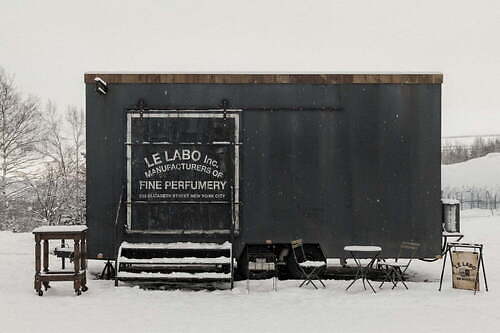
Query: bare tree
(19, 133)
(42, 164)
(52, 145)
(76, 121)
(63, 145)
(47, 199)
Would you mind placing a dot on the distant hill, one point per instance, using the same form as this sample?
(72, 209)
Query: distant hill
(480, 173)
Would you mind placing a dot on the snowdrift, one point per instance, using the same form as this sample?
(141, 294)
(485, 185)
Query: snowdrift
(479, 173)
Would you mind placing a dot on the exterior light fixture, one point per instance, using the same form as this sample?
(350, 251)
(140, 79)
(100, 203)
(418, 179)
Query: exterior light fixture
(101, 87)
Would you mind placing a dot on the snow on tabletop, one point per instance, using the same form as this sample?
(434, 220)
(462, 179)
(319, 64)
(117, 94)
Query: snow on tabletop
(362, 248)
(60, 228)
(450, 201)
(177, 245)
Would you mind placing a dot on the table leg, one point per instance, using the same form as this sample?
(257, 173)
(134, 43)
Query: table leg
(76, 262)
(358, 271)
(45, 255)
(46, 262)
(63, 262)
(84, 253)
(38, 264)
(370, 265)
(373, 289)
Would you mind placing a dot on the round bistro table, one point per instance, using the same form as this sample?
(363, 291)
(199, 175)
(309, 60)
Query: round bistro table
(363, 251)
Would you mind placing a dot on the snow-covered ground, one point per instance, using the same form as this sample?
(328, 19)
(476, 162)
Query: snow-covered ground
(105, 308)
(480, 173)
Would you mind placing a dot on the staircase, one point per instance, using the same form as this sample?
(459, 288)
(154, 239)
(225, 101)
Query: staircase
(178, 262)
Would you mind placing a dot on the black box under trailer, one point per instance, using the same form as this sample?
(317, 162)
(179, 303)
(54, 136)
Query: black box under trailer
(178, 163)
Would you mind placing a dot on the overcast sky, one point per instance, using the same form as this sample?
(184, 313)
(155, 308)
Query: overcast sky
(48, 45)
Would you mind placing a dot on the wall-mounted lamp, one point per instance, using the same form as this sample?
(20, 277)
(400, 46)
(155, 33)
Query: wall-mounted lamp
(101, 87)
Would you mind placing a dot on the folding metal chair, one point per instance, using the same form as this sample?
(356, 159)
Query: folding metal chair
(311, 270)
(395, 270)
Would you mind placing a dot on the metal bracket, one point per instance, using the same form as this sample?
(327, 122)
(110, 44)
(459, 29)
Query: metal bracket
(141, 104)
(225, 106)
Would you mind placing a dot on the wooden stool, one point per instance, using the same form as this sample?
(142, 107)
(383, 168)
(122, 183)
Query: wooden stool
(78, 233)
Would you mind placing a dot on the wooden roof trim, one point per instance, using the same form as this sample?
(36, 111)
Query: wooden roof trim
(435, 78)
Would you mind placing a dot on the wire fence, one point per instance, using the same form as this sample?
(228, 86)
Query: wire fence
(474, 198)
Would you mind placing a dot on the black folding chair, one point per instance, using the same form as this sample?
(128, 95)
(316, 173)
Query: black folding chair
(311, 270)
(395, 270)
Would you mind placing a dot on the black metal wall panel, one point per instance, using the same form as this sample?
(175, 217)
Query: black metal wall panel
(395, 163)
(367, 174)
(296, 177)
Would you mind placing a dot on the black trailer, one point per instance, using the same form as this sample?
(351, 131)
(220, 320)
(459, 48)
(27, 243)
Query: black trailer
(237, 160)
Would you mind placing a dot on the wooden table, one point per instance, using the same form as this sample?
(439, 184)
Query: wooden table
(78, 233)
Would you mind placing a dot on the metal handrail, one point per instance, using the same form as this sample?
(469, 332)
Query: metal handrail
(116, 249)
(232, 236)
(116, 221)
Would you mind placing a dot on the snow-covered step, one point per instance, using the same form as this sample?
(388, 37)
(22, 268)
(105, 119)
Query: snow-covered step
(175, 261)
(184, 260)
(177, 246)
(175, 276)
